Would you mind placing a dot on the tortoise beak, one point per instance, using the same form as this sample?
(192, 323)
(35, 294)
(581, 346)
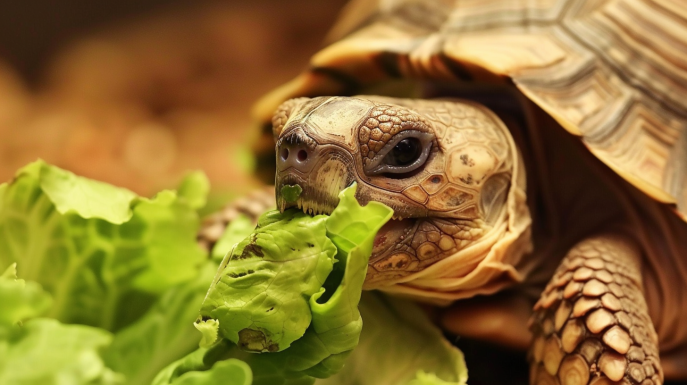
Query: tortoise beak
(309, 175)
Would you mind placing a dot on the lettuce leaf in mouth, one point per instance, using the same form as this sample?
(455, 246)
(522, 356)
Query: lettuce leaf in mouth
(400, 345)
(276, 284)
(260, 297)
(274, 292)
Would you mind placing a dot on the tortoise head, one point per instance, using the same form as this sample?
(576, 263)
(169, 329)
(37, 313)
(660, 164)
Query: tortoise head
(444, 167)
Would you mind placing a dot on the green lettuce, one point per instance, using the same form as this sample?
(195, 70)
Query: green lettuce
(106, 258)
(37, 351)
(194, 188)
(163, 334)
(113, 282)
(237, 229)
(276, 281)
(228, 372)
(104, 254)
(45, 351)
(399, 345)
(166, 332)
(323, 306)
(260, 297)
(20, 300)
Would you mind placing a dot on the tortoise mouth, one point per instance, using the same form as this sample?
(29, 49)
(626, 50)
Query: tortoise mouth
(317, 183)
(312, 200)
(315, 201)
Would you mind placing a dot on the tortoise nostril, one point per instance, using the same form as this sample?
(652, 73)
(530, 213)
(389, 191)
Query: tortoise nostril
(302, 155)
(284, 153)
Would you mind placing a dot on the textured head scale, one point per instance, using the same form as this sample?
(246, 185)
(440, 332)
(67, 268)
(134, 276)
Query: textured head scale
(447, 168)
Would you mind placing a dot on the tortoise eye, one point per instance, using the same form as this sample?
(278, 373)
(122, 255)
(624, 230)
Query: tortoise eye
(403, 154)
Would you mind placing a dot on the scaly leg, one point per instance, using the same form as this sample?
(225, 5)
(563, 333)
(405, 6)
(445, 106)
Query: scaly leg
(591, 324)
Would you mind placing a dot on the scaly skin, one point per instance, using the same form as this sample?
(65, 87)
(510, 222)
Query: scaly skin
(591, 325)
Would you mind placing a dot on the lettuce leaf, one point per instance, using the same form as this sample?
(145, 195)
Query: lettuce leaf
(228, 372)
(45, 351)
(337, 322)
(399, 345)
(109, 259)
(194, 188)
(330, 314)
(20, 300)
(260, 296)
(37, 351)
(101, 256)
(236, 231)
(84, 197)
(102, 253)
(164, 334)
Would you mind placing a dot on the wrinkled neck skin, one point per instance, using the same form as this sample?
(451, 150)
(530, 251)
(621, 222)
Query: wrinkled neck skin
(461, 222)
(483, 260)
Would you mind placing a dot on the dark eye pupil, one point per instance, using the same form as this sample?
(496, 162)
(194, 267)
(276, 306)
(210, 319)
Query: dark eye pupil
(405, 152)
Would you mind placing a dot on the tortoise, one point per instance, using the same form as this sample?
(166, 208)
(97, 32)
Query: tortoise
(533, 151)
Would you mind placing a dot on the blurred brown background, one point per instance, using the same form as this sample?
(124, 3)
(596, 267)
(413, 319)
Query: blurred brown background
(137, 92)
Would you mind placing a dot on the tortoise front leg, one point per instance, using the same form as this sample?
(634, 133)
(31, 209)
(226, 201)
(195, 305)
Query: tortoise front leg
(591, 324)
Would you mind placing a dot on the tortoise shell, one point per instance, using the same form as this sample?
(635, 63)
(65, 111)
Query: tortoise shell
(611, 72)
